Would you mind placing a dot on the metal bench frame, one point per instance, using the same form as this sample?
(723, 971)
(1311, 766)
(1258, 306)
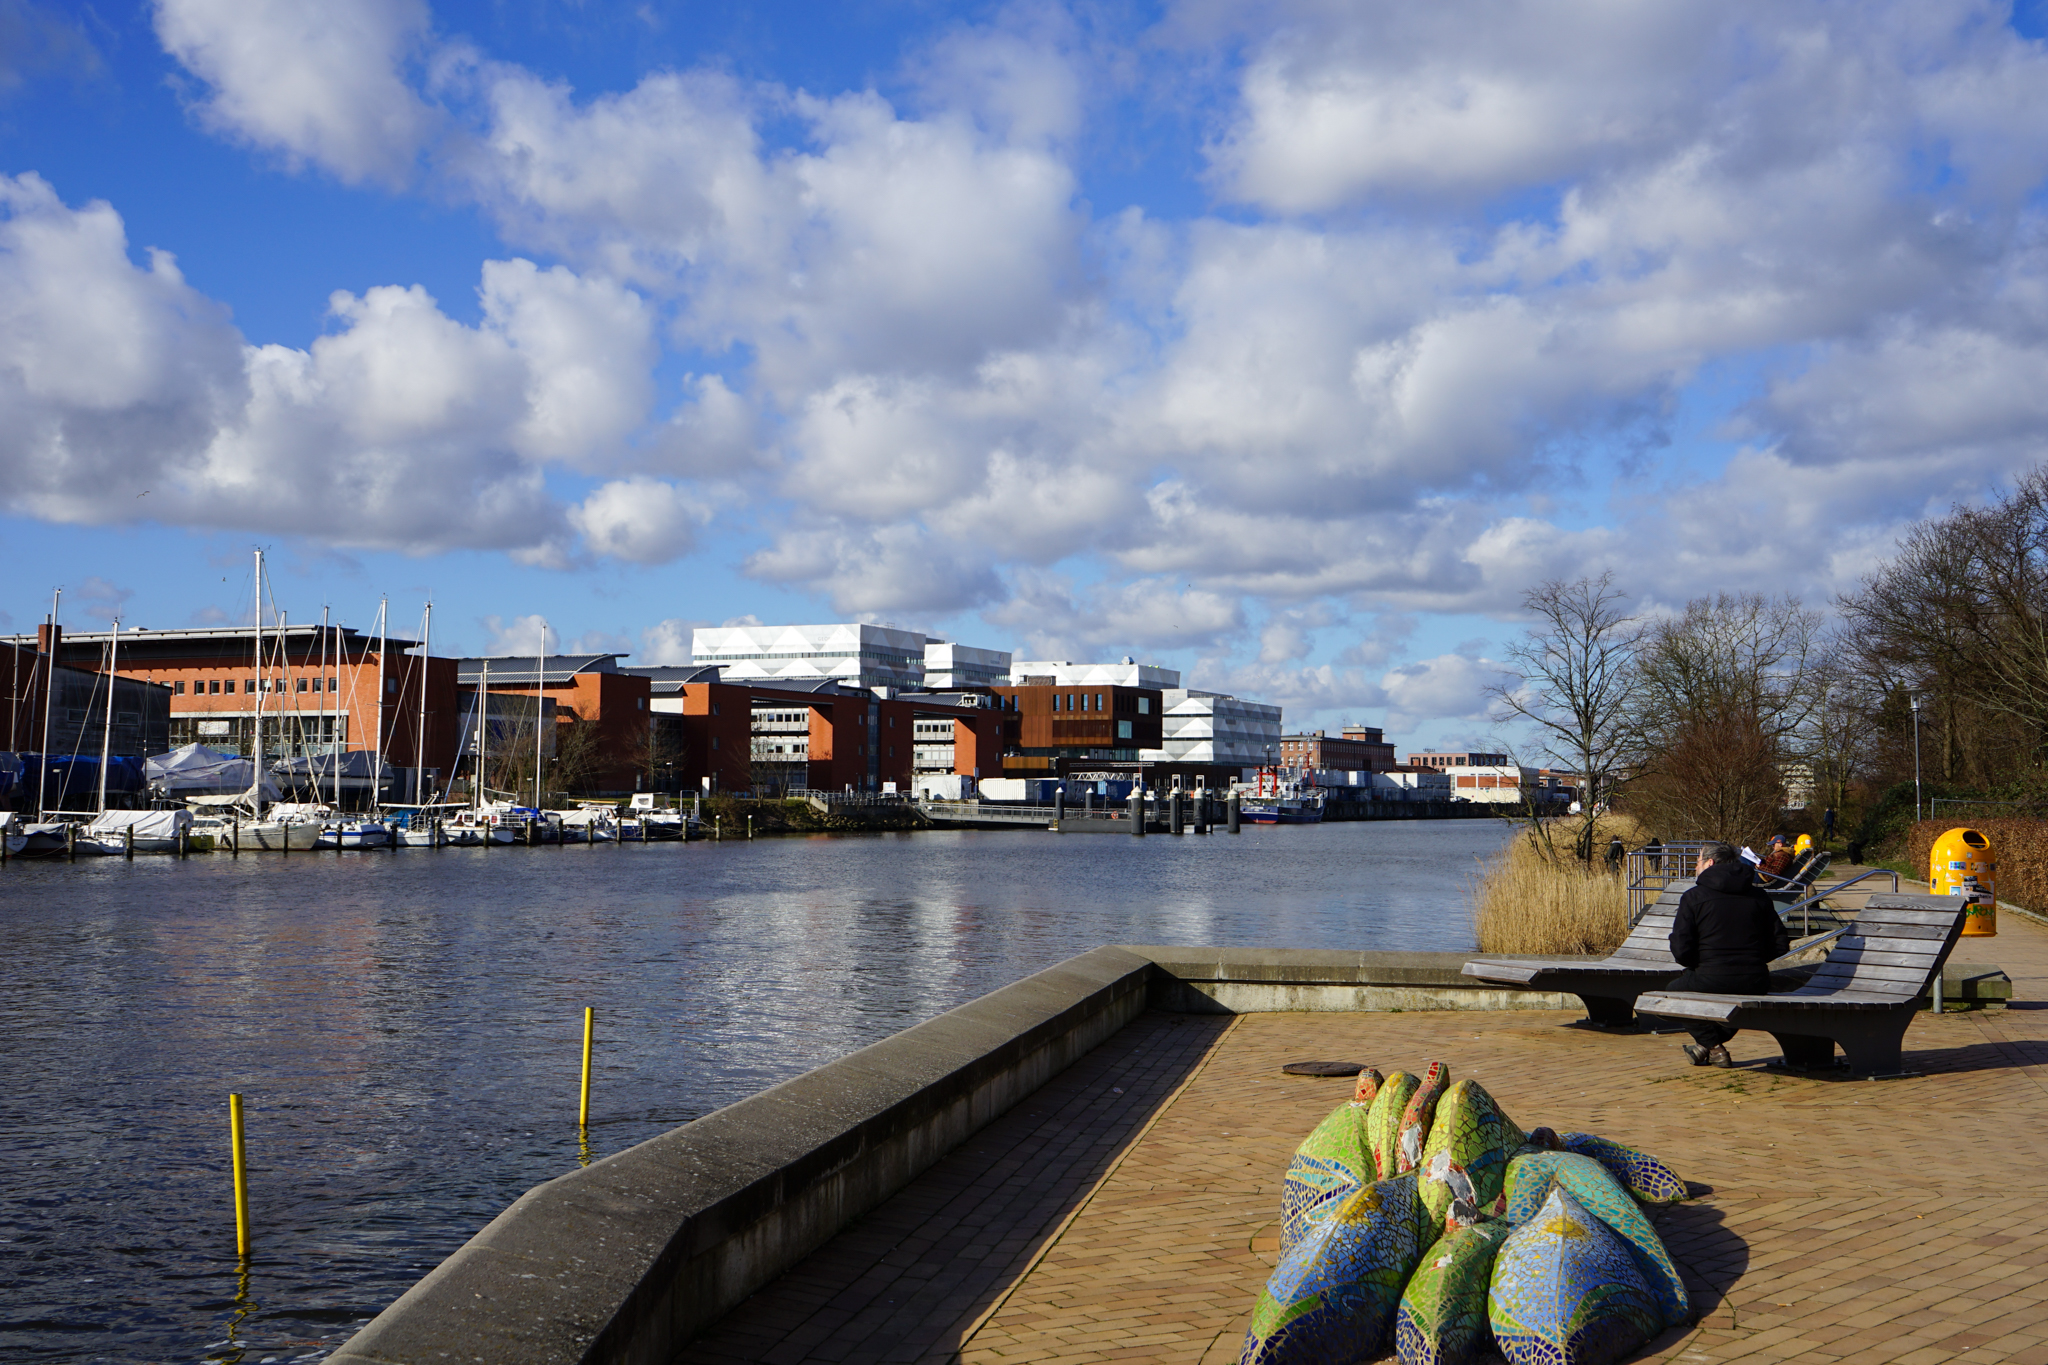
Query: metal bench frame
(1609, 986)
(1863, 996)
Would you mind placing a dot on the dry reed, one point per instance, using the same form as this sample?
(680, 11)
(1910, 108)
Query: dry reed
(1528, 899)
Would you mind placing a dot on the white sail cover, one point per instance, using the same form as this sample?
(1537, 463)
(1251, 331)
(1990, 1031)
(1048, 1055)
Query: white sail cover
(196, 771)
(147, 824)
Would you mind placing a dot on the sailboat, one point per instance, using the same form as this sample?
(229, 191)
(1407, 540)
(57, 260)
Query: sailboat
(291, 825)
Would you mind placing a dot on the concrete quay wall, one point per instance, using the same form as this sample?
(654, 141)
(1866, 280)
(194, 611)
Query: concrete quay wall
(625, 1260)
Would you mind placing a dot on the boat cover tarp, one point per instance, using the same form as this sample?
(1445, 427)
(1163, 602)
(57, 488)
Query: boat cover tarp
(355, 763)
(147, 824)
(72, 781)
(198, 770)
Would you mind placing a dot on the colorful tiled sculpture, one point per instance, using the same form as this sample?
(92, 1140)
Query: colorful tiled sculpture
(1442, 1318)
(1416, 1118)
(1332, 1298)
(1567, 1291)
(1647, 1178)
(1383, 1122)
(1331, 1162)
(1530, 1180)
(1465, 1160)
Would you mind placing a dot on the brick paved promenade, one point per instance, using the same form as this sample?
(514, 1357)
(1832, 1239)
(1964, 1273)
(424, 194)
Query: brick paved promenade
(1851, 1221)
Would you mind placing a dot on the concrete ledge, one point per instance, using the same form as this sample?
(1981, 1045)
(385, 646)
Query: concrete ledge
(625, 1260)
(1267, 980)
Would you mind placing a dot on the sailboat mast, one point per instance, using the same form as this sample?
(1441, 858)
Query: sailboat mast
(383, 647)
(419, 746)
(107, 731)
(49, 692)
(327, 738)
(483, 699)
(540, 692)
(256, 785)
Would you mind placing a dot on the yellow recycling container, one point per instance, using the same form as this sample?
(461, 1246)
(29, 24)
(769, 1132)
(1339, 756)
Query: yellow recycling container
(1802, 846)
(1960, 865)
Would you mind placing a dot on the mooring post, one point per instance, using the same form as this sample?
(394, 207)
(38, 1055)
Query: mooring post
(1138, 812)
(241, 1168)
(1230, 812)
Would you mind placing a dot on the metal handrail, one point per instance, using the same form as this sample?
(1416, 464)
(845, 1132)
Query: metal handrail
(1806, 906)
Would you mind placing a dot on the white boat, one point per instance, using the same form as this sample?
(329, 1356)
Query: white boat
(425, 834)
(153, 831)
(471, 828)
(355, 833)
(590, 824)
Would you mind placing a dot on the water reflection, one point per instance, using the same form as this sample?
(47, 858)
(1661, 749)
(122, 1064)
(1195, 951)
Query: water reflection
(406, 1029)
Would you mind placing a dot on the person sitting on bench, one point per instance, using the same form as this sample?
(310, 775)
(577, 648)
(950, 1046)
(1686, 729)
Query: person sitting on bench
(1725, 934)
(1777, 859)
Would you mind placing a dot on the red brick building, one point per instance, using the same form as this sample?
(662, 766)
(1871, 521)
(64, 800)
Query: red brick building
(1360, 748)
(318, 689)
(586, 688)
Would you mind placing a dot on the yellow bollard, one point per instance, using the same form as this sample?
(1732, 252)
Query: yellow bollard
(583, 1109)
(241, 1176)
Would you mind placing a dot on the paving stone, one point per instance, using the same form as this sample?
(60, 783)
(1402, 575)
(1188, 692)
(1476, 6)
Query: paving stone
(1849, 1221)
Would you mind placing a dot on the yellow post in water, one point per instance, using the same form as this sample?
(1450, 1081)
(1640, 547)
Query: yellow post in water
(583, 1109)
(241, 1176)
(1960, 864)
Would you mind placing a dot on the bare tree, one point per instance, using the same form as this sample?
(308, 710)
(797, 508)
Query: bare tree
(1726, 693)
(1577, 672)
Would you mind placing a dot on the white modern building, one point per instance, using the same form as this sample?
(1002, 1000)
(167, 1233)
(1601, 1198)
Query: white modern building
(1502, 783)
(1062, 673)
(854, 655)
(1213, 728)
(948, 666)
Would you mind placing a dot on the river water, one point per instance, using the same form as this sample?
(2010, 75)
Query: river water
(405, 1030)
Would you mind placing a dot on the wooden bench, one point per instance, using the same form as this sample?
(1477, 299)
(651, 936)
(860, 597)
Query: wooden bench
(1797, 887)
(1862, 996)
(1609, 986)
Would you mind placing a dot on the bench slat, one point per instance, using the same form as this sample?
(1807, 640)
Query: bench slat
(1918, 933)
(1879, 957)
(1901, 914)
(1858, 971)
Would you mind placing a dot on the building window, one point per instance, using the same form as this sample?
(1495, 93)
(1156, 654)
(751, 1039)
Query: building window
(302, 684)
(714, 711)
(640, 703)
(211, 686)
(249, 686)
(714, 741)
(177, 689)
(1123, 729)
(1098, 701)
(316, 685)
(1144, 706)
(333, 684)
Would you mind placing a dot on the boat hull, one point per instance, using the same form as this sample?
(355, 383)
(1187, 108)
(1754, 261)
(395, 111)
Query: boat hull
(355, 834)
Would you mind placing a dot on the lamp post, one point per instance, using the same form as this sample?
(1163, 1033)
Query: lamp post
(1914, 699)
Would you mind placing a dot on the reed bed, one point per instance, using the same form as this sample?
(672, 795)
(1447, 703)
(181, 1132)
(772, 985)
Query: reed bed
(1529, 899)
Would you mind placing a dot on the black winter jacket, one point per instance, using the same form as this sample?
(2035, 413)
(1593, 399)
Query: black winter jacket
(1726, 925)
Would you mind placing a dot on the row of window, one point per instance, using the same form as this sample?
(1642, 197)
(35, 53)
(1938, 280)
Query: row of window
(214, 687)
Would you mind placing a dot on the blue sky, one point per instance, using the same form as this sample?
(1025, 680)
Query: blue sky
(1287, 343)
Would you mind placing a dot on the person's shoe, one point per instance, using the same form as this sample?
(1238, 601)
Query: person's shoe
(1700, 1056)
(1719, 1057)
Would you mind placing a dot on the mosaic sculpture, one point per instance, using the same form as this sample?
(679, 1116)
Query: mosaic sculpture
(1566, 1291)
(1333, 1297)
(1529, 1182)
(1416, 1118)
(1331, 1162)
(1383, 1122)
(1442, 1318)
(1465, 1158)
(1645, 1177)
(1418, 1216)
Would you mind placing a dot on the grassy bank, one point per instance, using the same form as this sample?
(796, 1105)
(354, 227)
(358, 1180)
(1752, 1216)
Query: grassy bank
(1529, 899)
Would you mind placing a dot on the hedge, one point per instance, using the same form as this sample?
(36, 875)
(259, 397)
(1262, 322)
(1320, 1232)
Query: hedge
(2019, 848)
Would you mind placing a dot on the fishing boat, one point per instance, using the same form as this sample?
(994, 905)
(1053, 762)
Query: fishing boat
(1278, 800)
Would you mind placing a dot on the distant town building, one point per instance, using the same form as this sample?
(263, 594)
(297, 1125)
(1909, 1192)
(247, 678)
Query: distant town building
(1505, 784)
(1441, 761)
(1360, 748)
(1046, 724)
(864, 657)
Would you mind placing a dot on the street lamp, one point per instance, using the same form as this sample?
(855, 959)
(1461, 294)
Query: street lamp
(1914, 699)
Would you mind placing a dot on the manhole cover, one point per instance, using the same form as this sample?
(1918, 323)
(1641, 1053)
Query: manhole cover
(1323, 1068)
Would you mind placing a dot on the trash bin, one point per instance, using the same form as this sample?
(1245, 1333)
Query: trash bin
(1960, 864)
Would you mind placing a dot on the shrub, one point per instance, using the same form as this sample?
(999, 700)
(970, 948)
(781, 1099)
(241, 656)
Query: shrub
(2018, 847)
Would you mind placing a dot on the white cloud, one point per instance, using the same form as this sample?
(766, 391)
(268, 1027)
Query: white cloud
(642, 520)
(523, 636)
(667, 642)
(1447, 687)
(319, 82)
